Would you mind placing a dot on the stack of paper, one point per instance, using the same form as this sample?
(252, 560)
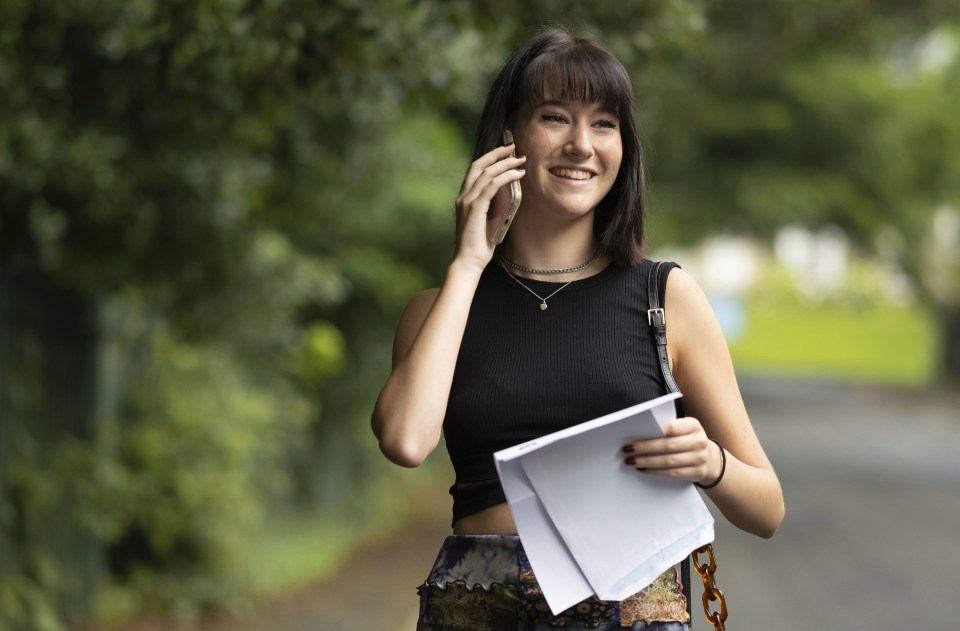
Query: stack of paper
(591, 524)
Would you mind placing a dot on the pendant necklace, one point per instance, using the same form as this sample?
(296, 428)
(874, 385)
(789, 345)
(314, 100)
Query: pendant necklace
(543, 299)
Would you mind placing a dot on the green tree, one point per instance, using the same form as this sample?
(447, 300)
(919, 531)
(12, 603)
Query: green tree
(813, 114)
(242, 194)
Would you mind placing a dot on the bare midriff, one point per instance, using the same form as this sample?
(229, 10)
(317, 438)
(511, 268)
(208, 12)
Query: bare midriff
(496, 520)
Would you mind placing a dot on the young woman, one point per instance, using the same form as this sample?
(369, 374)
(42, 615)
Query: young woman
(549, 330)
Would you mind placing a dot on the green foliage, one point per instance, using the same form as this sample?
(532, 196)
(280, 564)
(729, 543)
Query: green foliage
(35, 586)
(818, 114)
(251, 191)
(184, 479)
(297, 547)
(173, 488)
(321, 353)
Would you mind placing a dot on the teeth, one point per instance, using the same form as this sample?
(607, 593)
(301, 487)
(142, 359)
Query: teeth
(572, 174)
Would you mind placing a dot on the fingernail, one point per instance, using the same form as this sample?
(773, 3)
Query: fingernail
(630, 461)
(628, 449)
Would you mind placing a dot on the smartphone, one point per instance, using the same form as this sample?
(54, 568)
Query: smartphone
(504, 205)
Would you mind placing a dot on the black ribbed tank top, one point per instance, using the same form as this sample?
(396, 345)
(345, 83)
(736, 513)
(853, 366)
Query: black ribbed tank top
(523, 372)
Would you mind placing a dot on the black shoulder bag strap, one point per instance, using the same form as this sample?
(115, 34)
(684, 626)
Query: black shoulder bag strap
(657, 320)
(658, 326)
(658, 323)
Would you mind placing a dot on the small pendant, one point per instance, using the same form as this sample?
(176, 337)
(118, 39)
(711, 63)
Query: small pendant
(543, 306)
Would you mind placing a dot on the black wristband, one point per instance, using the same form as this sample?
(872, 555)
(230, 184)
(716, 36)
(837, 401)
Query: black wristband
(723, 468)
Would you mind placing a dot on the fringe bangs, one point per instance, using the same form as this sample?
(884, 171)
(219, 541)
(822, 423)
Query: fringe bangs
(581, 73)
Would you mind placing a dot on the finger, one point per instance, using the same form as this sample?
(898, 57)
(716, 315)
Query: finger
(481, 196)
(491, 174)
(681, 460)
(481, 185)
(485, 162)
(688, 465)
(501, 180)
(691, 474)
(681, 426)
(675, 436)
(667, 445)
(668, 453)
(666, 461)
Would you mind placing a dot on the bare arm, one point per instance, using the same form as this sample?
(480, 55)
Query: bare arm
(408, 416)
(749, 495)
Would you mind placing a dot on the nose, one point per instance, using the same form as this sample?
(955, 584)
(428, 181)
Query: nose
(579, 142)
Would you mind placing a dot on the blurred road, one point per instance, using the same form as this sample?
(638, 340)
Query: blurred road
(872, 534)
(871, 539)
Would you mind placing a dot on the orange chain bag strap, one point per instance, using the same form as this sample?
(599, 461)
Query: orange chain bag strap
(708, 568)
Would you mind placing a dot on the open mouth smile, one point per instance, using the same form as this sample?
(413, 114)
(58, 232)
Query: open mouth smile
(572, 174)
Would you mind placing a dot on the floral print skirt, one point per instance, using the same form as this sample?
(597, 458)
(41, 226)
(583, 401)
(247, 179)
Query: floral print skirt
(485, 583)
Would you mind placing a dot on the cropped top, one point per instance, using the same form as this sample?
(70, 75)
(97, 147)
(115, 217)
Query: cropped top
(523, 372)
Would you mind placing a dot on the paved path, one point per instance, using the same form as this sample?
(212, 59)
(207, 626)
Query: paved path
(871, 540)
(872, 534)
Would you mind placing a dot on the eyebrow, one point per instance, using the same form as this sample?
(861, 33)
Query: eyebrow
(566, 103)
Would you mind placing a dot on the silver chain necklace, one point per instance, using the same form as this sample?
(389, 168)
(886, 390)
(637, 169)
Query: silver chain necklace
(543, 299)
(551, 271)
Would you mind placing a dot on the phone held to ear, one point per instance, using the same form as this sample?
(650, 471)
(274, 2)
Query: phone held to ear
(504, 205)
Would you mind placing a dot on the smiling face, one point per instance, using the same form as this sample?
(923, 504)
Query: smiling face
(573, 151)
(581, 74)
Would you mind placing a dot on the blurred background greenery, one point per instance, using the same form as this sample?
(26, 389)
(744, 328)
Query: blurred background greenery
(213, 211)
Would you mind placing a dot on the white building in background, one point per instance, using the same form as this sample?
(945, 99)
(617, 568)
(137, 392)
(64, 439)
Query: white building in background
(819, 260)
(822, 263)
(942, 255)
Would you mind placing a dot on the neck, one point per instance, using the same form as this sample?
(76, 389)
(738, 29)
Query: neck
(553, 249)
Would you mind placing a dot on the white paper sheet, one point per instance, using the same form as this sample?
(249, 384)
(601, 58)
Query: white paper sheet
(556, 570)
(589, 523)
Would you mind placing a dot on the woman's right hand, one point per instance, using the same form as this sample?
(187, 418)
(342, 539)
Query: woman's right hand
(408, 416)
(484, 178)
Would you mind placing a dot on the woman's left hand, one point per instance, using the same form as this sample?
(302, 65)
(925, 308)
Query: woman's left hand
(684, 452)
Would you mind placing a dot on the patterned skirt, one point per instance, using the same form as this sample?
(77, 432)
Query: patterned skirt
(485, 583)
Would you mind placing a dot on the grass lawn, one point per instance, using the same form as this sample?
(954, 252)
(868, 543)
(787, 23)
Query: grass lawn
(885, 345)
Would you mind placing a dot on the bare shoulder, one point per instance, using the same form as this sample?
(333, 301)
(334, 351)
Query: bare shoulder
(684, 292)
(689, 314)
(411, 320)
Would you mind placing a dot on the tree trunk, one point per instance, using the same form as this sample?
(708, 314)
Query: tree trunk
(949, 361)
(49, 375)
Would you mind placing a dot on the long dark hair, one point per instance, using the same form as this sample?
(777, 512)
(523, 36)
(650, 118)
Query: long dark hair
(579, 69)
